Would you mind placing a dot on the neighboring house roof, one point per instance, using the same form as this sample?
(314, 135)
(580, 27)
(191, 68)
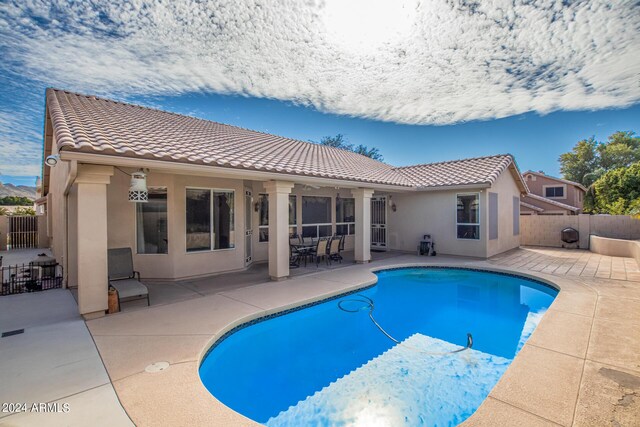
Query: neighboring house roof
(566, 181)
(530, 206)
(90, 124)
(552, 202)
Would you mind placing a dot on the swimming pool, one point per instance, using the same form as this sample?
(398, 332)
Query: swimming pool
(330, 364)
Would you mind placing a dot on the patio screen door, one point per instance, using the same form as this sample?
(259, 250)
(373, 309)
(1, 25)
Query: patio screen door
(248, 229)
(379, 222)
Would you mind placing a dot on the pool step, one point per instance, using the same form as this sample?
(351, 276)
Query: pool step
(403, 386)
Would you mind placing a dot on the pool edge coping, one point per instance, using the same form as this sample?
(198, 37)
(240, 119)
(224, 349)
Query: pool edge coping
(479, 265)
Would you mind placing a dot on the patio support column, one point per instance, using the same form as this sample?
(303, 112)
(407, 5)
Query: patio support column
(362, 252)
(91, 183)
(278, 192)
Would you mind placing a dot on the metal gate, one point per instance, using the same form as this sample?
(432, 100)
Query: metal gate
(379, 222)
(22, 232)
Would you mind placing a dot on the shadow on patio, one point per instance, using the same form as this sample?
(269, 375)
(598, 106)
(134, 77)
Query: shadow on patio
(169, 292)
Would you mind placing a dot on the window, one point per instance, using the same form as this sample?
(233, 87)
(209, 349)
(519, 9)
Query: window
(151, 223)
(554, 192)
(316, 216)
(263, 212)
(345, 216)
(210, 219)
(468, 216)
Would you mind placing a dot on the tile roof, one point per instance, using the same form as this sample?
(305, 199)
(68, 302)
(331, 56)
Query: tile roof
(91, 124)
(551, 202)
(479, 170)
(530, 206)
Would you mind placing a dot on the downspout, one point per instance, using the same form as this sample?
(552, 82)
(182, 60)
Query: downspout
(71, 177)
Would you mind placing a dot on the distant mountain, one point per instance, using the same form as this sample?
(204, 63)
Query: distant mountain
(17, 190)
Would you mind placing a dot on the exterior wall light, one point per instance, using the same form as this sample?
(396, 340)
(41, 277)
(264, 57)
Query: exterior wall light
(138, 191)
(52, 160)
(392, 204)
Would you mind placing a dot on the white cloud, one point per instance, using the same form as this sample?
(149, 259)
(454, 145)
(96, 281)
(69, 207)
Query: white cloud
(407, 61)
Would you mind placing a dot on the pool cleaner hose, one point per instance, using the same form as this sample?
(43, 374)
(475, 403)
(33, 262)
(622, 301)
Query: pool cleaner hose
(367, 304)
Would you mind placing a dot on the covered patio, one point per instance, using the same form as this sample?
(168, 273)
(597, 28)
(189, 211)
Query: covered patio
(161, 293)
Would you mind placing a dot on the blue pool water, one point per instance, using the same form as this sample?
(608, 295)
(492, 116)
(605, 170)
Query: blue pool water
(324, 366)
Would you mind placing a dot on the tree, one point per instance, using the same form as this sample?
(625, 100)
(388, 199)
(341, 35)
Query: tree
(372, 152)
(617, 192)
(580, 161)
(4, 211)
(340, 142)
(24, 211)
(589, 159)
(15, 201)
(620, 151)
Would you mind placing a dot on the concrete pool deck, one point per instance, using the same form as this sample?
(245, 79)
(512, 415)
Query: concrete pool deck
(580, 367)
(53, 361)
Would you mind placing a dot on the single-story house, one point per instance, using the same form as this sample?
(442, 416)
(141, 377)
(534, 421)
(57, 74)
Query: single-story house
(221, 197)
(549, 195)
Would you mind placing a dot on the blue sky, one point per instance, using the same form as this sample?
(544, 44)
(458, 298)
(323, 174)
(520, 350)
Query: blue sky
(422, 81)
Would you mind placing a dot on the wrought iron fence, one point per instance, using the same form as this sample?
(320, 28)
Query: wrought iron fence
(32, 277)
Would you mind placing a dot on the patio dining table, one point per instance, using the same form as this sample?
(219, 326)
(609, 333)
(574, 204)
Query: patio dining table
(305, 248)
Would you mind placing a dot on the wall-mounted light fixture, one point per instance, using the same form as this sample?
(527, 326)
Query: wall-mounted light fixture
(52, 160)
(392, 204)
(138, 191)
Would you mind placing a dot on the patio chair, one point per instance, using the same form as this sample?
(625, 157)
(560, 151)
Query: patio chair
(124, 278)
(294, 254)
(334, 249)
(320, 251)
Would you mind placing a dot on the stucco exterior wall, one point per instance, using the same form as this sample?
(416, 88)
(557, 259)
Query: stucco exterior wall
(56, 207)
(573, 195)
(616, 247)
(434, 213)
(4, 228)
(506, 188)
(177, 263)
(43, 238)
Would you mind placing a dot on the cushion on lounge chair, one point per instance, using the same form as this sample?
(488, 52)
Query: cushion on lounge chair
(129, 288)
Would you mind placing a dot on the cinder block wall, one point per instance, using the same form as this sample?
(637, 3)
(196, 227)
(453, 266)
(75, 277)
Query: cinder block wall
(544, 230)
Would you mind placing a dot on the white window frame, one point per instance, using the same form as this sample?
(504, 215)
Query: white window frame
(135, 220)
(465, 223)
(317, 224)
(564, 191)
(266, 227)
(351, 226)
(211, 191)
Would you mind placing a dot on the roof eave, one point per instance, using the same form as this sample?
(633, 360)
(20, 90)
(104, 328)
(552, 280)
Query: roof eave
(230, 172)
(472, 186)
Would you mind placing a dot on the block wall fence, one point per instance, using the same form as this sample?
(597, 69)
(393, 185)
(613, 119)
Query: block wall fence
(544, 230)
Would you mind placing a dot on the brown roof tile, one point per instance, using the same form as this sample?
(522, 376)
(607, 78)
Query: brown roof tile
(479, 170)
(91, 124)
